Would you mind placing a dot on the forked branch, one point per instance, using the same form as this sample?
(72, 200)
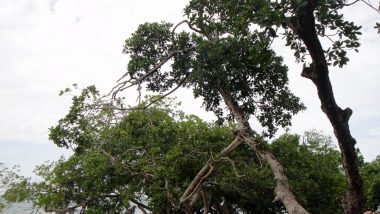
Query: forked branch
(207, 169)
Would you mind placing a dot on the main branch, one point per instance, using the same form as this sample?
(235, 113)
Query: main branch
(282, 190)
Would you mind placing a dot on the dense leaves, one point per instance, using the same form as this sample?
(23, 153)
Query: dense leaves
(80, 126)
(148, 158)
(304, 25)
(273, 16)
(314, 170)
(371, 177)
(243, 65)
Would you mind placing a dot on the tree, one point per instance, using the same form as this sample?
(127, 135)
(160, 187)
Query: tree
(12, 181)
(314, 170)
(148, 158)
(302, 23)
(226, 57)
(239, 69)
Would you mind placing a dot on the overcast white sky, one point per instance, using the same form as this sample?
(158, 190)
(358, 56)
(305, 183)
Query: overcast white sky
(46, 45)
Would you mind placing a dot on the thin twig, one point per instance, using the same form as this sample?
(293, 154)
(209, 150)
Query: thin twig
(131, 82)
(168, 93)
(371, 6)
(349, 4)
(139, 204)
(188, 24)
(233, 166)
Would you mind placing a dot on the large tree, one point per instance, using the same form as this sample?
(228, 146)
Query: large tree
(226, 33)
(226, 66)
(148, 158)
(303, 23)
(225, 57)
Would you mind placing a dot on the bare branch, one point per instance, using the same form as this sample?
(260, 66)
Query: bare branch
(207, 170)
(140, 205)
(169, 195)
(368, 3)
(206, 202)
(188, 24)
(168, 93)
(229, 160)
(349, 4)
(196, 183)
(121, 86)
(371, 6)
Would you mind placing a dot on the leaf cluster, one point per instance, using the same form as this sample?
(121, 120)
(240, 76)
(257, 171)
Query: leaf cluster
(271, 17)
(314, 170)
(242, 65)
(371, 177)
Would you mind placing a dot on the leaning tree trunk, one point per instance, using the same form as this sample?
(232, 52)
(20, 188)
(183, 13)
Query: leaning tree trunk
(282, 190)
(318, 72)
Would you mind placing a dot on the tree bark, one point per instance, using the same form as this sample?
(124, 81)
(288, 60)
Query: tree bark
(304, 26)
(282, 190)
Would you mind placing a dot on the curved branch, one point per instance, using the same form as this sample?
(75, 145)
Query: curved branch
(121, 86)
(371, 6)
(365, 2)
(349, 4)
(168, 93)
(188, 24)
(139, 204)
(207, 169)
(229, 160)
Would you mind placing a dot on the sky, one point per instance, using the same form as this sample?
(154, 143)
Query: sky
(47, 45)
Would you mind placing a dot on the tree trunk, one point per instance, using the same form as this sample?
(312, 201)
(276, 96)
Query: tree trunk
(318, 72)
(282, 190)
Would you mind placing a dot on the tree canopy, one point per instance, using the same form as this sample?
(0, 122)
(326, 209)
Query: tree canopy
(243, 65)
(255, 24)
(159, 160)
(147, 160)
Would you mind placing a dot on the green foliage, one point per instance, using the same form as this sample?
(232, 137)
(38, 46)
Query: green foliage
(371, 176)
(314, 170)
(269, 16)
(81, 125)
(151, 155)
(130, 160)
(153, 41)
(242, 65)
(13, 187)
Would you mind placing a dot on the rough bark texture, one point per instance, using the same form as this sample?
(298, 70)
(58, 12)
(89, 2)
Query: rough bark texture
(318, 72)
(282, 190)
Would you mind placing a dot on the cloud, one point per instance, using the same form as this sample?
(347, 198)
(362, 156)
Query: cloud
(374, 131)
(52, 4)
